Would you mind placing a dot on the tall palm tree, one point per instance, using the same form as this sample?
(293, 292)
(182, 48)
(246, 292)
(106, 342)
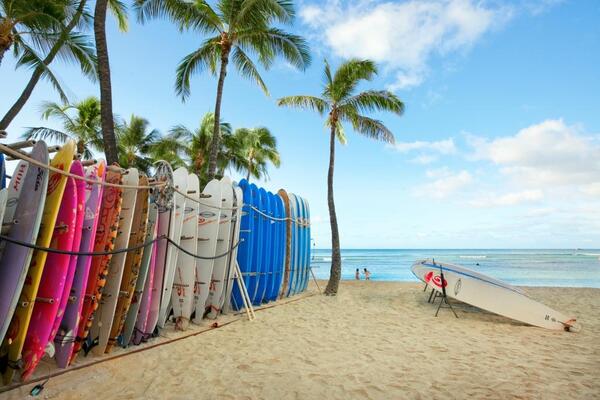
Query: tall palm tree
(258, 147)
(171, 148)
(236, 29)
(108, 125)
(343, 105)
(80, 122)
(28, 25)
(135, 142)
(69, 45)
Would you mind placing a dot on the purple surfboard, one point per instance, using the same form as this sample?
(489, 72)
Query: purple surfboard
(28, 213)
(65, 336)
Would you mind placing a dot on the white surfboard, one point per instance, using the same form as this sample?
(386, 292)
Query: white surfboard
(486, 293)
(185, 273)
(217, 285)
(235, 237)
(209, 213)
(106, 309)
(180, 180)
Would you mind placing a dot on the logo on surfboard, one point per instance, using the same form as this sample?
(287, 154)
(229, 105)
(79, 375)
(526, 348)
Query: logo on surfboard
(436, 280)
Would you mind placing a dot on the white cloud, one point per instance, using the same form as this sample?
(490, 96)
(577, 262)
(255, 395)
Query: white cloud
(444, 184)
(509, 199)
(402, 36)
(446, 146)
(548, 154)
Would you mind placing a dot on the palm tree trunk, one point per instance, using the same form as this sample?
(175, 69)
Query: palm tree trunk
(336, 259)
(108, 126)
(37, 74)
(216, 138)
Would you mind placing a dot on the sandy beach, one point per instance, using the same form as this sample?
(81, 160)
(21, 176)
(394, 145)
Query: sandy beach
(375, 340)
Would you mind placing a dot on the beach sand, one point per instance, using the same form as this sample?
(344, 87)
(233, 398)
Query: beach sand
(375, 340)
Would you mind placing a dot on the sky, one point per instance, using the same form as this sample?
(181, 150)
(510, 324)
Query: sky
(499, 145)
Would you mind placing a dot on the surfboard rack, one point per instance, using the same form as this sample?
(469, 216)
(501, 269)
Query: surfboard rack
(443, 297)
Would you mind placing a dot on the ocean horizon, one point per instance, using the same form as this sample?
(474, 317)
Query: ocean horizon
(523, 267)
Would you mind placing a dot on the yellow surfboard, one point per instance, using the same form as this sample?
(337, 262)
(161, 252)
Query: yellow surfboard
(15, 337)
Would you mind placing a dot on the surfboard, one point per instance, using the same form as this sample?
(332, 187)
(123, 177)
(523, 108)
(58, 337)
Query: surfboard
(106, 232)
(135, 311)
(279, 246)
(64, 339)
(244, 255)
(209, 215)
(295, 245)
(308, 244)
(2, 172)
(76, 169)
(3, 199)
(163, 198)
(185, 274)
(303, 244)
(15, 337)
(482, 292)
(132, 262)
(257, 249)
(219, 275)
(264, 235)
(288, 243)
(22, 217)
(106, 309)
(238, 201)
(52, 282)
(180, 179)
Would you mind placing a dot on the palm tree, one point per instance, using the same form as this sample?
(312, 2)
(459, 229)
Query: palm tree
(258, 147)
(198, 149)
(80, 122)
(237, 29)
(135, 142)
(108, 125)
(28, 25)
(171, 148)
(71, 46)
(343, 105)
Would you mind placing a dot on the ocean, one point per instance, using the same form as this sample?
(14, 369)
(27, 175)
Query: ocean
(574, 268)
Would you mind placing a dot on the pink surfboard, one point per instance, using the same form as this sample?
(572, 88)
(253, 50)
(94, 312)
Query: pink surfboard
(65, 336)
(52, 284)
(76, 169)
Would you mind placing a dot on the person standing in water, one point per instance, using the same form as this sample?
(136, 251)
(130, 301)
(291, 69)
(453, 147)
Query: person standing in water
(367, 274)
(357, 275)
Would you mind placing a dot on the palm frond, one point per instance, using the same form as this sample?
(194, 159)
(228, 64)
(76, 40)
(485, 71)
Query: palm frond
(375, 100)
(272, 42)
(305, 102)
(119, 10)
(206, 57)
(247, 69)
(348, 75)
(43, 133)
(197, 15)
(33, 60)
(371, 128)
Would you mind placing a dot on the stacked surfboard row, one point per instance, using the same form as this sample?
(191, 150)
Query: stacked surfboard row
(274, 252)
(129, 253)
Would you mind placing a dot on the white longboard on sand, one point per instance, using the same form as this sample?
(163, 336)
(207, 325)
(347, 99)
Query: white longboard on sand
(180, 180)
(219, 275)
(185, 273)
(209, 213)
(235, 237)
(486, 293)
(110, 294)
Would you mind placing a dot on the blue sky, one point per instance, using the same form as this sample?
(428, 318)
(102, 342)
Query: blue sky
(499, 146)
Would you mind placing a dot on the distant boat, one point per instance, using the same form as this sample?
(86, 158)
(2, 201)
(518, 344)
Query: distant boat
(490, 294)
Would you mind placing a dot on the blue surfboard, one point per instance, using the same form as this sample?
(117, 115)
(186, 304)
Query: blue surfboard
(263, 245)
(2, 172)
(309, 242)
(280, 249)
(257, 268)
(244, 255)
(302, 242)
(295, 245)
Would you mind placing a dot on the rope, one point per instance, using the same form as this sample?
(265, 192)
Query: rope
(118, 251)
(203, 203)
(297, 221)
(16, 154)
